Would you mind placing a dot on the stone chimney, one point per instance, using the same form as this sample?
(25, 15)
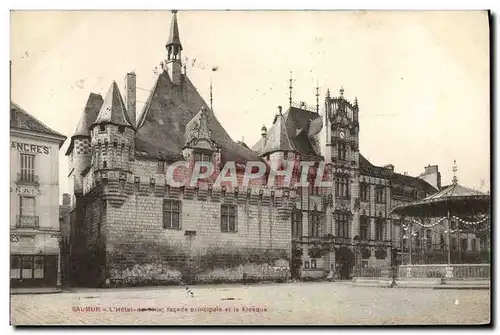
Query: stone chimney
(130, 96)
(389, 167)
(432, 176)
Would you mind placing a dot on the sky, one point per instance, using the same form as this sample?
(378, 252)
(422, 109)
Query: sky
(421, 78)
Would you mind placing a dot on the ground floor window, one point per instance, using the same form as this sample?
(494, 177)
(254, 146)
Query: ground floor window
(27, 267)
(15, 267)
(313, 264)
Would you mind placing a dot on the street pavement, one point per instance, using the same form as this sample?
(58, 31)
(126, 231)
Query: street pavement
(323, 303)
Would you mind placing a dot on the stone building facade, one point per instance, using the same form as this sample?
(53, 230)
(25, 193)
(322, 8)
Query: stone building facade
(34, 201)
(130, 226)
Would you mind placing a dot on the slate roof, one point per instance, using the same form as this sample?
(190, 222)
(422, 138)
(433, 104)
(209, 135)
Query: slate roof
(290, 132)
(162, 123)
(89, 115)
(113, 109)
(367, 168)
(277, 137)
(22, 120)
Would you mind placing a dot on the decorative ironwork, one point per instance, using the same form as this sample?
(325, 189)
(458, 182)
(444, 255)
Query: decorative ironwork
(27, 179)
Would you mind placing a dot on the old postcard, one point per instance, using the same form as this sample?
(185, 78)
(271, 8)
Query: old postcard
(250, 168)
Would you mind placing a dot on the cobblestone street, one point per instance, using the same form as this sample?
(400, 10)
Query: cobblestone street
(296, 303)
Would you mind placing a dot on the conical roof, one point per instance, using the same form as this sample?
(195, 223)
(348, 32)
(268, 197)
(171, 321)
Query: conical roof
(113, 109)
(89, 115)
(277, 137)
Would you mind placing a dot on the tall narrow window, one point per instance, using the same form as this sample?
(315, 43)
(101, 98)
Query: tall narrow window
(228, 218)
(342, 225)
(27, 168)
(161, 166)
(473, 245)
(379, 229)
(38, 268)
(364, 192)
(364, 228)
(314, 225)
(296, 223)
(27, 267)
(380, 194)
(342, 151)
(171, 214)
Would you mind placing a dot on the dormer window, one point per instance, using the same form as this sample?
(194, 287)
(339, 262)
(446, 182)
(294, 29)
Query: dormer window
(102, 128)
(121, 129)
(202, 157)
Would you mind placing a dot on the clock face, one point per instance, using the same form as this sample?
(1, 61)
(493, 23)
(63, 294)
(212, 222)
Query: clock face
(342, 134)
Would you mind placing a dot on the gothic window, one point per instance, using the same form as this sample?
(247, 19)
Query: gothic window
(342, 187)
(228, 218)
(171, 214)
(364, 191)
(379, 194)
(314, 225)
(342, 225)
(296, 223)
(342, 151)
(364, 228)
(379, 229)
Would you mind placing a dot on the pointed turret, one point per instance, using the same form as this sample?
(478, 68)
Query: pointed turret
(113, 109)
(277, 136)
(174, 49)
(89, 115)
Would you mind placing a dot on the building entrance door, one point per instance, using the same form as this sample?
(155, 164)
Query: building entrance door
(344, 259)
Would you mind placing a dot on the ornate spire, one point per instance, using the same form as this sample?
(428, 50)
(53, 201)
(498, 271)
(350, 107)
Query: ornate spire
(454, 169)
(291, 88)
(317, 97)
(173, 38)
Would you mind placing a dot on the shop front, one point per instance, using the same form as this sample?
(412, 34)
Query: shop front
(33, 270)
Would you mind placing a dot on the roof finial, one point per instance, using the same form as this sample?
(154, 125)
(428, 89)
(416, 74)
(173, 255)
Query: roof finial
(317, 97)
(454, 169)
(328, 93)
(355, 101)
(279, 110)
(211, 100)
(290, 87)
(341, 91)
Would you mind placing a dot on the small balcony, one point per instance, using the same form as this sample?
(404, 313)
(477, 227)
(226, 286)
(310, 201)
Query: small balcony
(27, 179)
(27, 221)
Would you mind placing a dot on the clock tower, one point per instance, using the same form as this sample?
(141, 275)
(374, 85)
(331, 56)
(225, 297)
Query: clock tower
(342, 146)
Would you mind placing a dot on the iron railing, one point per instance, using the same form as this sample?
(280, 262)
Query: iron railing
(27, 178)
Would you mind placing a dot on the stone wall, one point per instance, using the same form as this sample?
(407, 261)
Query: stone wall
(140, 251)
